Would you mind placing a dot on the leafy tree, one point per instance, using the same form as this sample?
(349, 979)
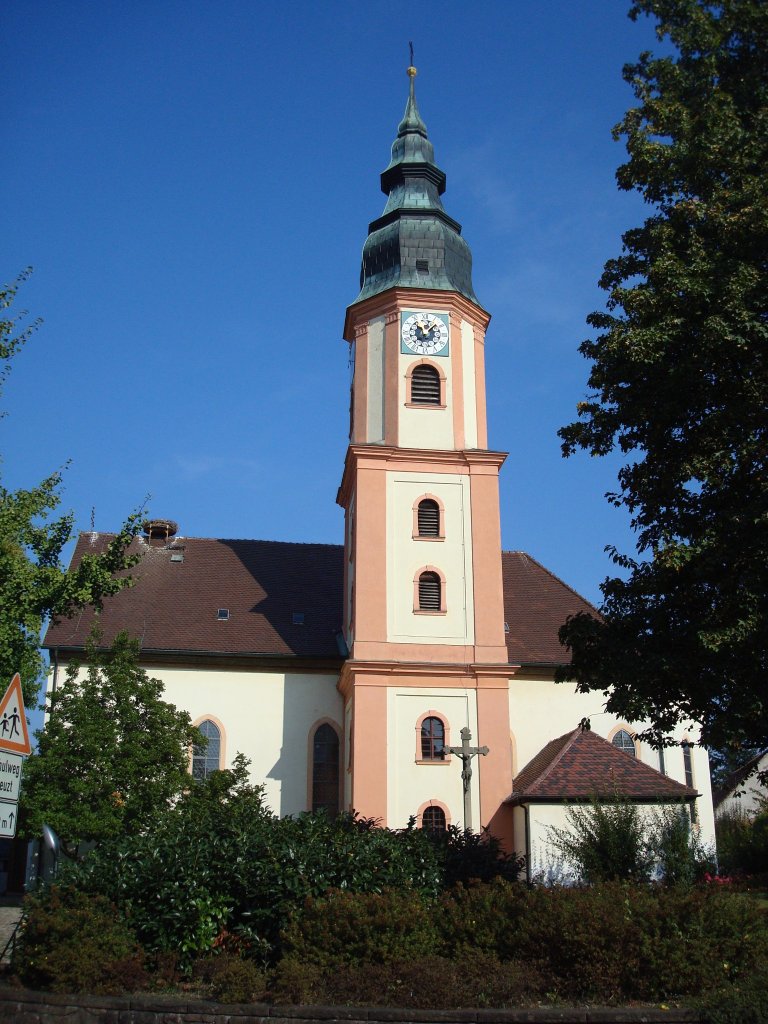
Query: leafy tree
(34, 585)
(679, 385)
(113, 753)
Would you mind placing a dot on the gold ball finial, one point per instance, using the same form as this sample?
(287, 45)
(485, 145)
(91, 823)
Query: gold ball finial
(412, 72)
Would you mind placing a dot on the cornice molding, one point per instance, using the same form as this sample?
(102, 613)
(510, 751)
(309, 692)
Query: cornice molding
(484, 675)
(390, 303)
(472, 461)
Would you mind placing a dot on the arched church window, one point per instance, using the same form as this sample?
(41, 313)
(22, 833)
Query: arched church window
(206, 756)
(325, 770)
(429, 592)
(428, 518)
(624, 742)
(432, 739)
(433, 819)
(688, 769)
(687, 763)
(425, 385)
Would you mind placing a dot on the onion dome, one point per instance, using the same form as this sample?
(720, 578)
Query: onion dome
(414, 243)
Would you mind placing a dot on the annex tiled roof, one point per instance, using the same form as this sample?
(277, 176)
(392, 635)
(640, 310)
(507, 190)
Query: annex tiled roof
(536, 604)
(581, 765)
(174, 603)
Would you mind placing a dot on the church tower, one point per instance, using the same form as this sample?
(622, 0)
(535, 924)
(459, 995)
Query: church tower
(424, 618)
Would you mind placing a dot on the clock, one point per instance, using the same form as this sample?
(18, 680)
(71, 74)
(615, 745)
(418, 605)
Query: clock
(426, 334)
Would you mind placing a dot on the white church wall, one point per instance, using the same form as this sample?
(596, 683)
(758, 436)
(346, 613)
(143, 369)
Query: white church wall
(547, 863)
(410, 784)
(452, 557)
(265, 715)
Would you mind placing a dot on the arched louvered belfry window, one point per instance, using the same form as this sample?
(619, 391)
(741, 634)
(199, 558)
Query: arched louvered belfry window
(206, 756)
(325, 770)
(428, 518)
(429, 592)
(624, 742)
(433, 819)
(432, 739)
(425, 385)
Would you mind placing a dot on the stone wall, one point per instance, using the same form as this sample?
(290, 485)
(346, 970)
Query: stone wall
(20, 1006)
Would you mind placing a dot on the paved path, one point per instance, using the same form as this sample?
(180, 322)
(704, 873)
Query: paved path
(9, 916)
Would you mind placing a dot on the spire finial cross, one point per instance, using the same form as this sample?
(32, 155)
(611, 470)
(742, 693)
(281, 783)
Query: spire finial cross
(411, 68)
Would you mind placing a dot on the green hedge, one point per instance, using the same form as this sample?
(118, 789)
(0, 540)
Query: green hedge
(488, 944)
(614, 943)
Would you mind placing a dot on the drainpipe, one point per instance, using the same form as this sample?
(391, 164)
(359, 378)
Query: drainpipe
(527, 811)
(55, 669)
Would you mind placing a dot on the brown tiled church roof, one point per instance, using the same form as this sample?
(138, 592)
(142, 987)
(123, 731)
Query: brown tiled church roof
(581, 765)
(173, 606)
(536, 604)
(179, 588)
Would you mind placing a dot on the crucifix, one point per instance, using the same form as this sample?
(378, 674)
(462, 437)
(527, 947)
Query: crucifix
(466, 753)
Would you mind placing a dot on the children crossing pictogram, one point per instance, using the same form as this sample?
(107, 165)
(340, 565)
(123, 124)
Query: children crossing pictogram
(14, 735)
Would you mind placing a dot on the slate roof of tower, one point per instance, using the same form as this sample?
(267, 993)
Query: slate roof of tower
(414, 243)
(172, 608)
(581, 765)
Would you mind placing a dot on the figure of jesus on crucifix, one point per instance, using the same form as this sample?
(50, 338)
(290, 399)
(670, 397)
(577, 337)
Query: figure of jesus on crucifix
(466, 753)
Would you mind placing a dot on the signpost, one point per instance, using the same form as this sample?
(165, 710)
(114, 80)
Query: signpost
(14, 746)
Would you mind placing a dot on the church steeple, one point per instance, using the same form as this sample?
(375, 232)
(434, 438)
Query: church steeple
(414, 244)
(424, 596)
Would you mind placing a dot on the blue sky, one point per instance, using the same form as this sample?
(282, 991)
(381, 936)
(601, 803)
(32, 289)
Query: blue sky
(193, 182)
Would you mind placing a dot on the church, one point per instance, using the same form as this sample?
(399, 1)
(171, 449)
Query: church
(408, 672)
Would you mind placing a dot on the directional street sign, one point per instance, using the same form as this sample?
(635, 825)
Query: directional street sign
(8, 815)
(10, 776)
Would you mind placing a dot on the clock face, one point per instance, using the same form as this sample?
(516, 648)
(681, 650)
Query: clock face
(426, 334)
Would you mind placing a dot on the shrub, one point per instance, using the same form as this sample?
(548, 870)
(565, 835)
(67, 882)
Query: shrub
(346, 928)
(617, 942)
(743, 1001)
(742, 842)
(220, 862)
(466, 856)
(231, 979)
(70, 941)
(483, 917)
(680, 856)
(433, 982)
(296, 982)
(605, 842)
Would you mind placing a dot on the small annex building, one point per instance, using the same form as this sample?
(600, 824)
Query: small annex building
(346, 673)
(744, 792)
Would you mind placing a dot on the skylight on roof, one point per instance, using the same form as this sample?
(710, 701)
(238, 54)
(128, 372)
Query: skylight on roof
(298, 618)
(222, 614)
